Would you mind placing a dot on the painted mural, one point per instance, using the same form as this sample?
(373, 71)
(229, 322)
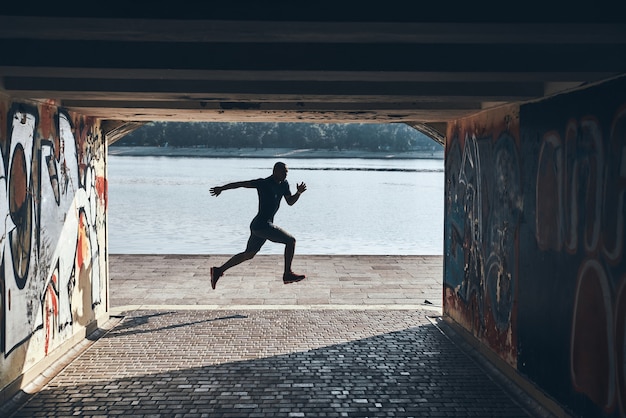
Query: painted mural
(52, 231)
(483, 205)
(572, 316)
(535, 202)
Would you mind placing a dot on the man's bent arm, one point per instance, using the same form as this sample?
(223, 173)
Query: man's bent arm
(291, 199)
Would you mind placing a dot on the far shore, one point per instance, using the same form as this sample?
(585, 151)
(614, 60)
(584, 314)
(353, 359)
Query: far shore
(267, 153)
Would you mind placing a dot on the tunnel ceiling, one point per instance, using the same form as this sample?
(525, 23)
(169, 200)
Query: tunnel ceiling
(144, 61)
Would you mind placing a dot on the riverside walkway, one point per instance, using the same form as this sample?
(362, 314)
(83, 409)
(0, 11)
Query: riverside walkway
(360, 337)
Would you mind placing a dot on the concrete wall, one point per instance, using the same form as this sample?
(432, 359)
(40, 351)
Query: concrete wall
(535, 202)
(53, 199)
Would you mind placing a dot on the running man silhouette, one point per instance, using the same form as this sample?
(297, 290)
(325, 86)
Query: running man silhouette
(271, 191)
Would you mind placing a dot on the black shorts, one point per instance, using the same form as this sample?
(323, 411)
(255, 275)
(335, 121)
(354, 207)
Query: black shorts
(271, 232)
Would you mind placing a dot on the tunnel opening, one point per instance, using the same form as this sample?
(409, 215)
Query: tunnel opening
(369, 228)
(376, 188)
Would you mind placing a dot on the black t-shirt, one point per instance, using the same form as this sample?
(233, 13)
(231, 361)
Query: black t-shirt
(270, 194)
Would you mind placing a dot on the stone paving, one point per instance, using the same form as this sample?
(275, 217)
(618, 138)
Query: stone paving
(299, 351)
(337, 281)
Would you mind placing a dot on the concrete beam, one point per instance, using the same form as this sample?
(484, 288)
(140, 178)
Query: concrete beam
(150, 62)
(151, 30)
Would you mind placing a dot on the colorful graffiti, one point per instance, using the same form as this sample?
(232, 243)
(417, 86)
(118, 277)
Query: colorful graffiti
(483, 208)
(52, 206)
(535, 202)
(583, 166)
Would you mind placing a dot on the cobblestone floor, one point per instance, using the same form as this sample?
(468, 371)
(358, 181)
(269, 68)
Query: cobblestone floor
(273, 363)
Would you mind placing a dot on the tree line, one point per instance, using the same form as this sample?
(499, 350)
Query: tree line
(395, 137)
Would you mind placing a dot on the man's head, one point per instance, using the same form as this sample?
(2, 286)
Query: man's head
(280, 171)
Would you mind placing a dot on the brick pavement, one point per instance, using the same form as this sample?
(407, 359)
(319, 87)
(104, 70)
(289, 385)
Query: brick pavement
(178, 348)
(150, 281)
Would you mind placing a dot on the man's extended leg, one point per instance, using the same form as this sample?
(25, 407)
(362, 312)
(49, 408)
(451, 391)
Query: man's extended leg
(236, 259)
(254, 245)
(217, 272)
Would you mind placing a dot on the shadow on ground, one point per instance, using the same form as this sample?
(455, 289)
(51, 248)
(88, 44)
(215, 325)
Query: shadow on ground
(273, 364)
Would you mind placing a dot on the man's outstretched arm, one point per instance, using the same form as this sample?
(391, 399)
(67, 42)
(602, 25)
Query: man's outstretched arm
(294, 197)
(215, 191)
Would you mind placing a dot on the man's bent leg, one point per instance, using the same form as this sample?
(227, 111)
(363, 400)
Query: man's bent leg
(289, 276)
(276, 234)
(290, 250)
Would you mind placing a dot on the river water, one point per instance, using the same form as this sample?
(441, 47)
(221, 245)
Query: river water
(162, 205)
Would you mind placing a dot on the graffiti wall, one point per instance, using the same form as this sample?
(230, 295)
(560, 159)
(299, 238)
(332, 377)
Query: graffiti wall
(52, 231)
(534, 242)
(575, 272)
(483, 203)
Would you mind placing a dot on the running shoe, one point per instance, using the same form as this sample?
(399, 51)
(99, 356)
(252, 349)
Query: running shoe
(292, 277)
(215, 276)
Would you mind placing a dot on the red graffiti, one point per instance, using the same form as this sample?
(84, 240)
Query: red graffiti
(47, 117)
(591, 368)
(51, 311)
(102, 188)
